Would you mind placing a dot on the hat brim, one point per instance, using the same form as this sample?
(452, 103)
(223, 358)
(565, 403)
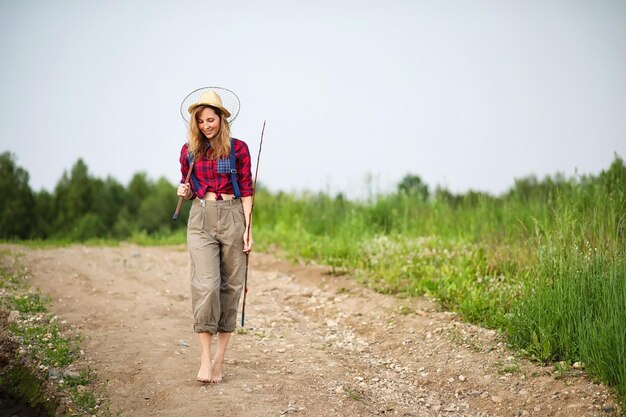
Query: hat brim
(222, 109)
(230, 103)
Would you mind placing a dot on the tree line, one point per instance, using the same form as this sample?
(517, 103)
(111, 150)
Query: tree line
(82, 206)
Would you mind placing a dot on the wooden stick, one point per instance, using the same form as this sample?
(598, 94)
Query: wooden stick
(180, 199)
(256, 174)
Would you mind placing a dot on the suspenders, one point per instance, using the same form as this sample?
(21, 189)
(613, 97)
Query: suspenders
(233, 171)
(194, 179)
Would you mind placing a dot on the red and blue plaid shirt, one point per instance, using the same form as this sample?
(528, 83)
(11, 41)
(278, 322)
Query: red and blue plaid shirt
(214, 174)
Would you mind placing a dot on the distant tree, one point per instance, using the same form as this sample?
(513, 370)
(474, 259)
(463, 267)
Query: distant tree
(124, 225)
(413, 185)
(155, 211)
(77, 198)
(45, 215)
(88, 226)
(139, 188)
(112, 198)
(17, 202)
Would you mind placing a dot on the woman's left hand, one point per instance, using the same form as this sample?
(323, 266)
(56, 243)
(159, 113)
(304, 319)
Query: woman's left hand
(248, 242)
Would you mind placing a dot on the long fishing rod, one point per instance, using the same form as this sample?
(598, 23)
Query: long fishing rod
(245, 282)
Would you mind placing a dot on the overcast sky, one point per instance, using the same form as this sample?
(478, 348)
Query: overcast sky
(465, 94)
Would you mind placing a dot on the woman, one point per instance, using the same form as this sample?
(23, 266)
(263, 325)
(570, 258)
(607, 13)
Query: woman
(217, 232)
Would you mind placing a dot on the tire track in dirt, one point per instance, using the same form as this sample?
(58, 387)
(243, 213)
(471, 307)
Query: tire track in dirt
(314, 345)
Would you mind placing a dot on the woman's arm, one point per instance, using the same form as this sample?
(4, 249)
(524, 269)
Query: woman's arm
(184, 189)
(247, 212)
(244, 178)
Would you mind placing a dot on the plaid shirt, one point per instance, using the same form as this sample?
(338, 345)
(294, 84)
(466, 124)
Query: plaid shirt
(214, 174)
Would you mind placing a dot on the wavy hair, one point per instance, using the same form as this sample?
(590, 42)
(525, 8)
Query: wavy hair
(196, 141)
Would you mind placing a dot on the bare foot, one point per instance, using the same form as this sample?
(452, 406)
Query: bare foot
(204, 374)
(216, 370)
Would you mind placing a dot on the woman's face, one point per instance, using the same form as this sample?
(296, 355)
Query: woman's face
(208, 122)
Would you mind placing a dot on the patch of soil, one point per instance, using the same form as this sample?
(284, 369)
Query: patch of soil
(313, 345)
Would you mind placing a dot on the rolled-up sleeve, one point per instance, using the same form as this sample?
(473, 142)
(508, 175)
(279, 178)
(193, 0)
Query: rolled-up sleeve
(184, 168)
(244, 168)
(184, 163)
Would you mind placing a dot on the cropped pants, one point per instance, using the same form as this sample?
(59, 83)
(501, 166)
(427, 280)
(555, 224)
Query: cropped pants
(215, 240)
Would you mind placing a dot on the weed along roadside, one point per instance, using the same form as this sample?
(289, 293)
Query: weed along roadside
(40, 374)
(544, 263)
(21, 388)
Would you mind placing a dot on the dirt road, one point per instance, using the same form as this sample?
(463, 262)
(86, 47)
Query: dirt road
(314, 345)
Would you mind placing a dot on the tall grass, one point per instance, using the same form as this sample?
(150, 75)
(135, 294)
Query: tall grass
(545, 262)
(575, 307)
(576, 310)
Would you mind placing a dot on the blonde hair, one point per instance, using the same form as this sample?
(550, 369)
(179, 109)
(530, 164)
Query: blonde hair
(220, 144)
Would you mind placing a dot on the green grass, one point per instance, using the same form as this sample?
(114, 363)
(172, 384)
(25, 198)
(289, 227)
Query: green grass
(576, 311)
(61, 242)
(27, 303)
(141, 238)
(353, 394)
(545, 263)
(405, 310)
(144, 239)
(42, 343)
(82, 398)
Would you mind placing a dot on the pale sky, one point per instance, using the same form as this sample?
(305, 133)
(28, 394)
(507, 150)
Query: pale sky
(465, 94)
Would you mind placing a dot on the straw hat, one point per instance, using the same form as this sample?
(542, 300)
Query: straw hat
(217, 97)
(210, 98)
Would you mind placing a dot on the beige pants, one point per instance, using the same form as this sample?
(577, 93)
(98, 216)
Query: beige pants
(215, 240)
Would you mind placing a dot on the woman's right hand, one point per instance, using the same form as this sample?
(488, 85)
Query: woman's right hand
(184, 191)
